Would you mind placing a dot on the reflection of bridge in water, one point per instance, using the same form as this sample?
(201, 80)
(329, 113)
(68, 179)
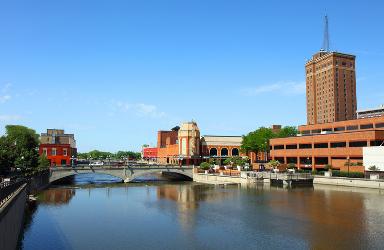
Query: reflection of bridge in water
(126, 173)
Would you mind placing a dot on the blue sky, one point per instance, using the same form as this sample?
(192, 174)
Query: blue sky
(115, 72)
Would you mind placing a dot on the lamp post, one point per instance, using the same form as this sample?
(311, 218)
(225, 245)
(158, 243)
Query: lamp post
(349, 163)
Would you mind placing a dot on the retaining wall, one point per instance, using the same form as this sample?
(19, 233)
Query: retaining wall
(349, 182)
(11, 219)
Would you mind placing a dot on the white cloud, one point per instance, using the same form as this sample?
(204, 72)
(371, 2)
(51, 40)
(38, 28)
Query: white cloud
(141, 109)
(286, 88)
(5, 98)
(8, 118)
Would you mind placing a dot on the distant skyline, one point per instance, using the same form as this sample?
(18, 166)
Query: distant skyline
(115, 72)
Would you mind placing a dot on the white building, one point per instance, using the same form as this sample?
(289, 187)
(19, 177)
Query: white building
(373, 156)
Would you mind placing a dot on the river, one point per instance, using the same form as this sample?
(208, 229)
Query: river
(94, 213)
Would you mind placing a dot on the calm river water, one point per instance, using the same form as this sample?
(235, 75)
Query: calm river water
(91, 214)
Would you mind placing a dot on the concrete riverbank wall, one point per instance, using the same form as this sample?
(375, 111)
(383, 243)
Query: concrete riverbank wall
(11, 218)
(349, 182)
(335, 181)
(223, 179)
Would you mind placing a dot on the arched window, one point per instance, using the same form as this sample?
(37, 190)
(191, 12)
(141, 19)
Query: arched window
(213, 152)
(224, 152)
(235, 152)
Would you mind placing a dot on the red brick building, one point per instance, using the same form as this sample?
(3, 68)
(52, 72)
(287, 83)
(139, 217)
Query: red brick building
(58, 147)
(150, 153)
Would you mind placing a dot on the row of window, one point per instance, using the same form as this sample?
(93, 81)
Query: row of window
(352, 144)
(54, 152)
(350, 127)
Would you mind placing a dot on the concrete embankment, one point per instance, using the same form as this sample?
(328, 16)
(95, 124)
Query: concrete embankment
(335, 181)
(11, 218)
(349, 182)
(223, 179)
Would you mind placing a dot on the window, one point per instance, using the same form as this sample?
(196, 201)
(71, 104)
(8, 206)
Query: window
(354, 127)
(321, 145)
(292, 146)
(338, 144)
(45, 151)
(316, 131)
(366, 126)
(339, 129)
(303, 146)
(377, 143)
(53, 153)
(379, 125)
(278, 147)
(306, 132)
(354, 144)
(65, 153)
(326, 129)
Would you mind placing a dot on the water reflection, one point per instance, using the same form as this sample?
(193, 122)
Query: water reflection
(57, 196)
(195, 216)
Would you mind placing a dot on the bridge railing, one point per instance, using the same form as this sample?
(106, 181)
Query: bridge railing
(7, 189)
(120, 167)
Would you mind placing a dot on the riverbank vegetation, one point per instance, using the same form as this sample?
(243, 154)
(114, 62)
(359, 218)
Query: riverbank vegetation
(19, 152)
(102, 155)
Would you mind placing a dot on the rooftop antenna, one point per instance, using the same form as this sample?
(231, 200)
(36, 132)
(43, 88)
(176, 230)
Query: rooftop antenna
(326, 35)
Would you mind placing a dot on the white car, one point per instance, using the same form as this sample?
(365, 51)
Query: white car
(96, 164)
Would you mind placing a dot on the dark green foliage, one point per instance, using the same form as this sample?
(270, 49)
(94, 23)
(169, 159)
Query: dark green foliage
(19, 149)
(205, 165)
(101, 155)
(291, 165)
(258, 140)
(337, 173)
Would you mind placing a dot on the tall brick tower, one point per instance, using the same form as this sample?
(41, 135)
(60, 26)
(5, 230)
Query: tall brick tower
(330, 85)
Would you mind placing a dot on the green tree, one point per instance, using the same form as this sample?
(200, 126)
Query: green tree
(287, 131)
(43, 162)
(19, 149)
(7, 155)
(257, 141)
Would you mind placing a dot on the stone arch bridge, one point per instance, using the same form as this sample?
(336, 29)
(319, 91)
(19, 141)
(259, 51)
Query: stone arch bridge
(126, 173)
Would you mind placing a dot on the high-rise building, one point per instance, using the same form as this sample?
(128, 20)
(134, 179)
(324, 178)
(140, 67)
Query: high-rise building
(331, 87)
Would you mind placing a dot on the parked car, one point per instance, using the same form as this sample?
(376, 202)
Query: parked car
(96, 164)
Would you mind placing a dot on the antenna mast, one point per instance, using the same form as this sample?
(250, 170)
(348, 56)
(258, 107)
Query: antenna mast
(326, 35)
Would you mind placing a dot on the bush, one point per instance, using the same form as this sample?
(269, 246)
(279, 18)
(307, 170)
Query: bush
(291, 165)
(328, 167)
(205, 166)
(337, 173)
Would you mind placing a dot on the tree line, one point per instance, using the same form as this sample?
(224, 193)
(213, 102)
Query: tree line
(103, 155)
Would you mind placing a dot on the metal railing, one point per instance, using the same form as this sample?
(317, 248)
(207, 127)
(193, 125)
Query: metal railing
(8, 188)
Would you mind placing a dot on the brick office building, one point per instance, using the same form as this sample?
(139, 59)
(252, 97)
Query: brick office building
(330, 87)
(332, 135)
(59, 148)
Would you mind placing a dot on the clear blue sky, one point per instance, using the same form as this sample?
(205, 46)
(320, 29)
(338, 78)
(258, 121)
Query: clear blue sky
(115, 72)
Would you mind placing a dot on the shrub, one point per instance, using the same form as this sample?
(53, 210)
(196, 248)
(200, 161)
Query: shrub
(328, 167)
(205, 166)
(338, 173)
(373, 168)
(291, 165)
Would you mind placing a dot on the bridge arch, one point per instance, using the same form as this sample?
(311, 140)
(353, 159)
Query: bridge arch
(127, 174)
